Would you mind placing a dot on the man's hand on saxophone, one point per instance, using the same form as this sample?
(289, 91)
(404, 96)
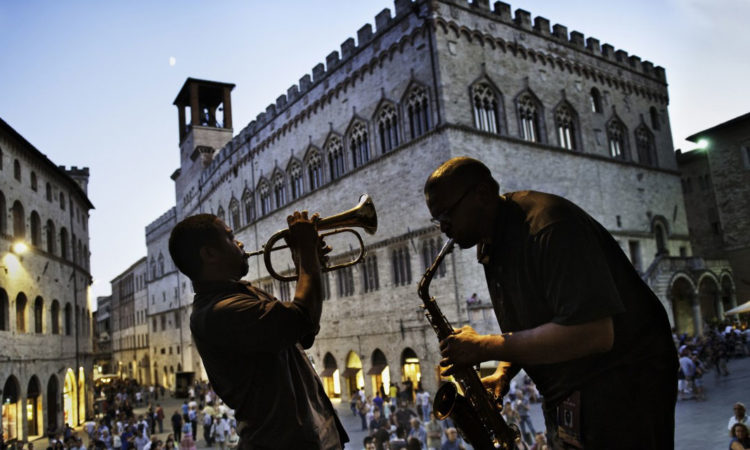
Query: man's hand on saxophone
(463, 348)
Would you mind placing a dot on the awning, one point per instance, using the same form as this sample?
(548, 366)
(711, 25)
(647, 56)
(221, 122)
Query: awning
(743, 308)
(377, 369)
(327, 372)
(350, 371)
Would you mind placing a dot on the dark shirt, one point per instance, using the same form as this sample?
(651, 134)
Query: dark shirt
(549, 261)
(250, 346)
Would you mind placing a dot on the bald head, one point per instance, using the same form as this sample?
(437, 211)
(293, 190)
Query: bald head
(460, 173)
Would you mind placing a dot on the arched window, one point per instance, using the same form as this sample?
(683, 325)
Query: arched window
(16, 170)
(48, 192)
(596, 100)
(38, 315)
(387, 127)
(34, 186)
(485, 103)
(566, 123)
(401, 265)
(294, 171)
(73, 248)
(63, 243)
(55, 317)
(279, 189)
(370, 280)
(50, 235)
(220, 214)
(249, 201)
(617, 139)
(36, 229)
(655, 122)
(4, 311)
(265, 197)
(68, 319)
(85, 256)
(234, 213)
(62, 201)
(418, 111)
(335, 157)
(21, 312)
(530, 117)
(660, 234)
(358, 144)
(3, 216)
(154, 273)
(314, 169)
(644, 144)
(430, 249)
(19, 222)
(345, 278)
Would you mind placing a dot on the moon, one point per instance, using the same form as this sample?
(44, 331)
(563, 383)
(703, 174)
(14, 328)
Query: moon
(172, 61)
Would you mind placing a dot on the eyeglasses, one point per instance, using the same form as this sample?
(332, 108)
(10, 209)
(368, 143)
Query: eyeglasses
(444, 217)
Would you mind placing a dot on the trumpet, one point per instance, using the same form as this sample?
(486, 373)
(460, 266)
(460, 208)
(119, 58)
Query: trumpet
(361, 216)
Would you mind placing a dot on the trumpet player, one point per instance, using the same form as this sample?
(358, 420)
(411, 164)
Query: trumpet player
(574, 313)
(251, 344)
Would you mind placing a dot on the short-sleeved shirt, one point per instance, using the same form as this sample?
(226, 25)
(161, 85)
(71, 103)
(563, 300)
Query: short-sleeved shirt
(250, 346)
(549, 261)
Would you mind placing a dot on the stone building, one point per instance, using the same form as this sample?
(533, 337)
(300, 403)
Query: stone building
(45, 309)
(102, 336)
(545, 108)
(716, 185)
(130, 350)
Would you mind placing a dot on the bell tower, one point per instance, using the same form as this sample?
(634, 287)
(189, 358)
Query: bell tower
(204, 113)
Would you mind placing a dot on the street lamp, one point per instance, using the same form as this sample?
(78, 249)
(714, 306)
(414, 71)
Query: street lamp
(702, 144)
(19, 248)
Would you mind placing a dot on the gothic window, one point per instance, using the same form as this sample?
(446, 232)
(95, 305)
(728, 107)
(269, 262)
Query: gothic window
(50, 232)
(3, 217)
(55, 319)
(73, 248)
(370, 274)
(644, 144)
(234, 213)
(660, 235)
(430, 249)
(220, 214)
(401, 265)
(161, 264)
(418, 111)
(529, 113)
(38, 313)
(4, 311)
(314, 169)
(62, 201)
(295, 178)
(345, 279)
(358, 144)
(48, 192)
(565, 122)
(387, 128)
(21, 312)
(284, 291)
(485, 107)
(36, 229)
(68, 319)
(616, 138)
(265, 198)
(63, 243)
(19, 222)
(335, 157)
(326, 286)
(17, 170)
(654, 114)
(279, 189)
(34, 186)
(595, 99)
(249, 201)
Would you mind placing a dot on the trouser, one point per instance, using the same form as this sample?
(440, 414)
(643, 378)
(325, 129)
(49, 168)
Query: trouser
(632, 407)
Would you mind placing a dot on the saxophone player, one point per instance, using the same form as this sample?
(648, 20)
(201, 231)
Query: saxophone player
(574, 313)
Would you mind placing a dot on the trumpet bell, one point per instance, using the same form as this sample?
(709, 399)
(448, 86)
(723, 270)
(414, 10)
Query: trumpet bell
(363, 216)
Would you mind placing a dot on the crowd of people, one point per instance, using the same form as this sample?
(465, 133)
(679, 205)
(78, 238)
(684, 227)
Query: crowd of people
(403, 418)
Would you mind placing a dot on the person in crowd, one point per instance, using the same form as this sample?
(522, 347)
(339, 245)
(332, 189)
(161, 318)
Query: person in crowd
(170, 443)
(451, 440)
(417, 431)
(434, 432)
(398, 442)
(523, 408)
(268, 380)
(540, 442)
(208, 423)
(187, 442)
(740, 439)
(687, 367)
(369, 443)
(233, 439)
(160, 417)
(739, 415)
(378, 422)
(575, 313)
(177, 425)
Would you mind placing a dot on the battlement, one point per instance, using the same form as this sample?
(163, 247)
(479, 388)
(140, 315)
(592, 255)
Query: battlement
(522, 19)
(76, 171)
(166, 218)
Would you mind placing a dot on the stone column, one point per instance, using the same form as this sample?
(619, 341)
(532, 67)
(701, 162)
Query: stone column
(227, 107)
(194, 106)
(697, 316)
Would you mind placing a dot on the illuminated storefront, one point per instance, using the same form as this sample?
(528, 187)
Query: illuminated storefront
(379, 372)
(34, 425)
(330, 377)
(353, 377)
(11, 414)
(69, 397)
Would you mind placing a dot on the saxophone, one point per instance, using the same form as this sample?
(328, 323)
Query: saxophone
(475, 413)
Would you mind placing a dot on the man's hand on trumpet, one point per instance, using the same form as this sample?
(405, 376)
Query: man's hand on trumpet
(307, 247)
